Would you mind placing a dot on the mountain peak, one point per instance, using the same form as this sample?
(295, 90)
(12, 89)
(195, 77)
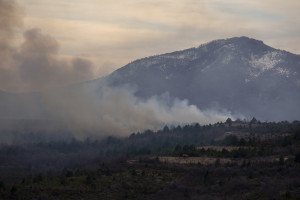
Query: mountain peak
(237, 73)
(236, 40)
(240, 75)
(239, 43)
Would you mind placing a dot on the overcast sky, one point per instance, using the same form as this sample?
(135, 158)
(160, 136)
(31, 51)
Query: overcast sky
(113, 33)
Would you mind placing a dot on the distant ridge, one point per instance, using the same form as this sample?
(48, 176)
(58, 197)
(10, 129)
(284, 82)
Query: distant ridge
(241, 75)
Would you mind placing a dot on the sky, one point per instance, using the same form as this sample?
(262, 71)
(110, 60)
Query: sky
(106, 35)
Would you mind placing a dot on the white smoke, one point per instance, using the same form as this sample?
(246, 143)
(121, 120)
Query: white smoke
(36, 65)
(117, 111)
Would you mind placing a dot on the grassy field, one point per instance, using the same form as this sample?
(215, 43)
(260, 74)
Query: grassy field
(149, 178)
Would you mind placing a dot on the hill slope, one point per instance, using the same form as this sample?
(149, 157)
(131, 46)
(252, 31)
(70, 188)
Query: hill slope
(242, 75)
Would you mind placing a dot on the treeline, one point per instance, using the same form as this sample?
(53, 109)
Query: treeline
(231, 133)
(263, 136)
(54, 168)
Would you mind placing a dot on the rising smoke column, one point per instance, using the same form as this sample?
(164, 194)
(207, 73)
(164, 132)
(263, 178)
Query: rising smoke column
(35, 65)
(104, 110)
(10, 20)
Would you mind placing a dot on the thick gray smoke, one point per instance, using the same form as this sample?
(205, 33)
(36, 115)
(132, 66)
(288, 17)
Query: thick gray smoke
(36, 64)
(117, 111)
(9, 20)
(97, 112)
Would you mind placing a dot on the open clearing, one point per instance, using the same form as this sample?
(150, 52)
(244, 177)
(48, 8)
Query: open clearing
(212, 160)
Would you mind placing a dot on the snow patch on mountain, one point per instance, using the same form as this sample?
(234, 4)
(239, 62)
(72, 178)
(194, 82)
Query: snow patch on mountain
(266, 62)
(227, 59)
(185, 55)
(283, 72)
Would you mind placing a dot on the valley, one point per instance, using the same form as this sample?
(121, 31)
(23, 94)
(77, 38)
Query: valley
(260, 160)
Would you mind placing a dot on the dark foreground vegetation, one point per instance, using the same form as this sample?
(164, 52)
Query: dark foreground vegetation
(232, 160)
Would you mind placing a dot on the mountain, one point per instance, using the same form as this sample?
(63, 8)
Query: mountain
(240, 74)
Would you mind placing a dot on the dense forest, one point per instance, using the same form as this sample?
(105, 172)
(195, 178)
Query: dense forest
(233, 160)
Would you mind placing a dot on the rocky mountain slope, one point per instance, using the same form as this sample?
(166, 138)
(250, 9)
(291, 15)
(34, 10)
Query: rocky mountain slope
(239, 74)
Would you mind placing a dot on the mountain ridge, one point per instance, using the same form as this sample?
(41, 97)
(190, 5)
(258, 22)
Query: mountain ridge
(254, 65)
(241, 75)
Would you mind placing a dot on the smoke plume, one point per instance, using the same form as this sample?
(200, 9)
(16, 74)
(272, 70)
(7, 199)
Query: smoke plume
(35, 65)
(117, 111)
(85, 111)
